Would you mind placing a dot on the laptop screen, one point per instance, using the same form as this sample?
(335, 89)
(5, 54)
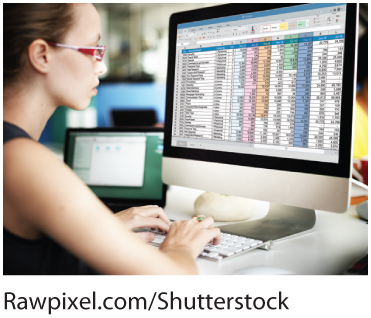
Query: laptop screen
(117, 164)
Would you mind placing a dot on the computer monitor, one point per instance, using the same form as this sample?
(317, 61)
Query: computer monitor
(259, 104)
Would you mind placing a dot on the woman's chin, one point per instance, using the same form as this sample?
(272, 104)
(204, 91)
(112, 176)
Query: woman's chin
(80, 106)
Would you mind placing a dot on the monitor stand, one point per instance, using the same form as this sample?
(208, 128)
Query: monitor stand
(281, 222)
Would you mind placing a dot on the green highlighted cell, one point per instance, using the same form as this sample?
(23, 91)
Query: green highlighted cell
(291, 36)
(302, 24)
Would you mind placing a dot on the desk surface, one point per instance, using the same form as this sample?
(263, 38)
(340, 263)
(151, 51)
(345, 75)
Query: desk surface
(336, 242)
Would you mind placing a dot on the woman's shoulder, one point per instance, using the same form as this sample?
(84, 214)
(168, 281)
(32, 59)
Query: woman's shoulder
(25, 161)
(23, 148)
(18, 141)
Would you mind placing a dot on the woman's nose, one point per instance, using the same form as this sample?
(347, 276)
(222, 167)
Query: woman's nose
(101, 67)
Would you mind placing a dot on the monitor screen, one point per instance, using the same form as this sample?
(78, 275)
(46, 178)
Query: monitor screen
(117, 164)
(268, 85)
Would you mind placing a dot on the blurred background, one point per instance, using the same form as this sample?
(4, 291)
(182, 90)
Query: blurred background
(136, 39)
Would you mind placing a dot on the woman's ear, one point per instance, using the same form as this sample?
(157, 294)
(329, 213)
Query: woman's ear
(39, 55)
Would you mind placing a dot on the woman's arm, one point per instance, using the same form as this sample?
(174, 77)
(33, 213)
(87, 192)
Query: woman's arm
(50, 196)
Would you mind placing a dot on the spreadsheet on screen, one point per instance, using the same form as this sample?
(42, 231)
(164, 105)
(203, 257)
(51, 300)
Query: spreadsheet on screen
(268, 83)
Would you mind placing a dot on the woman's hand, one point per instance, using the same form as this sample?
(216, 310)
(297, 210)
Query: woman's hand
(192, 235)
(145, 216)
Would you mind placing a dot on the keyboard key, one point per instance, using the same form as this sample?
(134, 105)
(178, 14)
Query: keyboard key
(224, 252)
(235, 245)
(209, 249)
(157, 240)
(239, 251)
(211, 255)
(252, 244)
(248, 241)
(230, 239)
(234, 250)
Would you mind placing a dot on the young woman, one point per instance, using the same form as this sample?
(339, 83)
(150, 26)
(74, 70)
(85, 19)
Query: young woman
(53, 223)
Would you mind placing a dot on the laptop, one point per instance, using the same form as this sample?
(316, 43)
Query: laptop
(122, 165)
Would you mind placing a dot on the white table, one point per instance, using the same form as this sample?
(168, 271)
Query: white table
(336, 242)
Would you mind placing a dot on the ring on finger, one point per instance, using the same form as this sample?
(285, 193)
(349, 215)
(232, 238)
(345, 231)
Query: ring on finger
(199, 218)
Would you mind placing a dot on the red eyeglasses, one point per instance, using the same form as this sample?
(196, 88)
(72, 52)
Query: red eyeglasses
(96, 51)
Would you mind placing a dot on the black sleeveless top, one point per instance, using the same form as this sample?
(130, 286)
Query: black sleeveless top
(35, 257)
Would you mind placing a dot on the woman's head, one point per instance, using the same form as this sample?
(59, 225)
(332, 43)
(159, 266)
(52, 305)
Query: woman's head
(68, 75)
(24, 23)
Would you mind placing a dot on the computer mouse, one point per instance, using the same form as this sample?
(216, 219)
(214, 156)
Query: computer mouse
(263, 270)
(362, 210)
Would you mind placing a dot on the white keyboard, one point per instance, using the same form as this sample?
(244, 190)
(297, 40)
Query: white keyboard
(230, 245)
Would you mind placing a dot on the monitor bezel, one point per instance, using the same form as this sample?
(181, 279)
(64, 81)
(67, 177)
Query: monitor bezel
(160, 202)
(340, 169)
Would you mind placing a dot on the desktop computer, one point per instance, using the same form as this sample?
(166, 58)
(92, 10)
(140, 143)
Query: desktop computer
(259, 104)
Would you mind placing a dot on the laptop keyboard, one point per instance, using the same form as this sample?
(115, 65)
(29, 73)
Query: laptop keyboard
(230, 245)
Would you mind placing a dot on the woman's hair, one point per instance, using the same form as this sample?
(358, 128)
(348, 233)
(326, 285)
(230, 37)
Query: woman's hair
(24, 23)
